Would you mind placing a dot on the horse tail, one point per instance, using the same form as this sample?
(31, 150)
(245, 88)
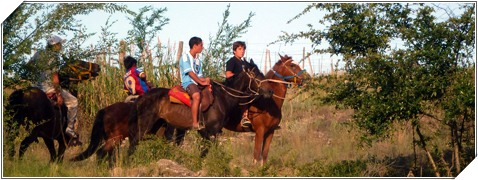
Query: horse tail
(97, 134)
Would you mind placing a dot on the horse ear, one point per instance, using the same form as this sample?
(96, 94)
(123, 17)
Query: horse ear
(281, 57)
(252, 62)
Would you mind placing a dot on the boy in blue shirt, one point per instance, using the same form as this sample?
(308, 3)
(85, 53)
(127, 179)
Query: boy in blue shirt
(192, 79)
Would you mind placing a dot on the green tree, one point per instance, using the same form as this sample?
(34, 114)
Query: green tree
(432, 75)
(145, 27)
(31, 23)
(220, 46)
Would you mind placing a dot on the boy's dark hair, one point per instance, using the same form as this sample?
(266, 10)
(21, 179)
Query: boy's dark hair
(194, 40)
(237, 44)
(129, 62)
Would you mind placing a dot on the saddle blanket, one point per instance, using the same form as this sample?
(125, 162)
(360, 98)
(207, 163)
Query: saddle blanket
(178, 95)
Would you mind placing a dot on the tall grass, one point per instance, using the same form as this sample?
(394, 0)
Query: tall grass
(315, 140)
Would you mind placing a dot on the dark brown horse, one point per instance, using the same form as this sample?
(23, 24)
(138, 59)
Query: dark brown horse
(155, 108)
(31, 108)
(266, 115)
(110, 128)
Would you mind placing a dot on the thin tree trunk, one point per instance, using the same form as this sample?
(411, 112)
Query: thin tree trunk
(180, 52)
(455, 143)
(424, 147)
(122, 52)
(448, 169)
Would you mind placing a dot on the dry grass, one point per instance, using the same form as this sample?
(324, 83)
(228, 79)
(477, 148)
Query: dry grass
(311, 132)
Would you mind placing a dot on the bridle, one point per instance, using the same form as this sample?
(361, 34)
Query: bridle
(252, 79)
(294, 75)
(285, 78)
(80, 71)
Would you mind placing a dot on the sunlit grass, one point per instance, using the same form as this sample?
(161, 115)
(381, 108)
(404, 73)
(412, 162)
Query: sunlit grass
(313, 134)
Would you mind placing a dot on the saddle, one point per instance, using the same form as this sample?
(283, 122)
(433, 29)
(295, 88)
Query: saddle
(178, 95)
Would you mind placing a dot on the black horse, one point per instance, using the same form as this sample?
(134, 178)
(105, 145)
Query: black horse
(155, 109)
(31, 108)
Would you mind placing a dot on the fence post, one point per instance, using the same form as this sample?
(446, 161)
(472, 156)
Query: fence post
(267, 59)
(303, 58)
(180, 52)
(311, 69)
(122, 50)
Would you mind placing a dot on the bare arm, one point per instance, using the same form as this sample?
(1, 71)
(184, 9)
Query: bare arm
(201, 81)
(56, 84)
(229, 74)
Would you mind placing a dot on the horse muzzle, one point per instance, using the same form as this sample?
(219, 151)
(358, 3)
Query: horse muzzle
(266, 93)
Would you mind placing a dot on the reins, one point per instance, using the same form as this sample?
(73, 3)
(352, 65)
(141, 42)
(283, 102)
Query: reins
(284, 78)
(254, 93)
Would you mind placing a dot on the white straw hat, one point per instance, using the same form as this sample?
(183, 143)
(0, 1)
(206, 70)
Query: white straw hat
(52, 40)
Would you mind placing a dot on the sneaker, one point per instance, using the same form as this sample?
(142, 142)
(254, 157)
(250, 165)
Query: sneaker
(71, 133)
(246, 123)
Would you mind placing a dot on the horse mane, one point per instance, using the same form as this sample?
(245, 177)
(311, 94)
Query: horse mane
(256, 70)
(283, 59)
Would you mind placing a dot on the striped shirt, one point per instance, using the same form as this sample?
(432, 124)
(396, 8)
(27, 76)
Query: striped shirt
(187, 64)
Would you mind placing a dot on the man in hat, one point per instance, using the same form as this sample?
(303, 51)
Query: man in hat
(47, 64)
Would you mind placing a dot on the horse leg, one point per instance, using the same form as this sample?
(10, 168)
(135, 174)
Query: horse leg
(133, 130)
(100, 154)
(110, 152)
(51, 148)
(12, 133)
(61, 149)
(266, 146)
(169, 132)
(25, 143)
(259, 141)
(180, 133)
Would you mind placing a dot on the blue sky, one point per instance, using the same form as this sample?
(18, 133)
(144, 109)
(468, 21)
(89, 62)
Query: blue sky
(201, 19)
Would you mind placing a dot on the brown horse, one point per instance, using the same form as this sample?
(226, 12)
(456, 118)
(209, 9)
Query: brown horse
(155, 108)
(31, 107)
(110, 128)
(266, 115)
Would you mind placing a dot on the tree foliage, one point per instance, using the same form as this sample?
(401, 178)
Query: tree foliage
(220, 47)
(431, 75)
(145, 27)
(30, 25)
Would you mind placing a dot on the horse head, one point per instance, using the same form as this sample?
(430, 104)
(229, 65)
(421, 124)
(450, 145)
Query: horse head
(76, 71)
(79, 70)
(251, 82)
(288, 70)
(264, 87)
